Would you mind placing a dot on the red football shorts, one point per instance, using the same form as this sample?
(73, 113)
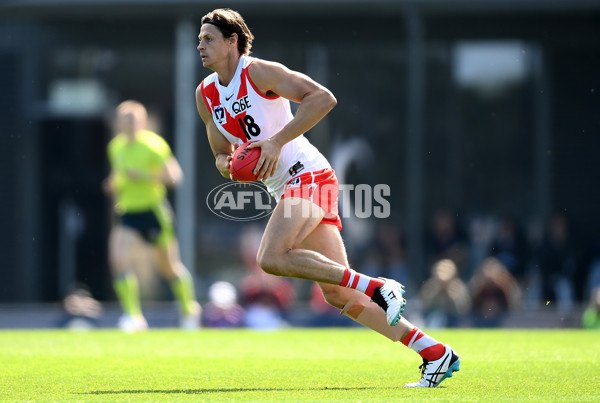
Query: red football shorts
(320, 187)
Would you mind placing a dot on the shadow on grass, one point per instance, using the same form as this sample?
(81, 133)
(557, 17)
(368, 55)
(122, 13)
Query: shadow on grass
(217, 390)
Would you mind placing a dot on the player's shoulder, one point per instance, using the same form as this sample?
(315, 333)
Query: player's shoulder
(212, 77)
(207, 84)
(264, 73)
(150, 137)
(152, 140)
(116, 143)
(262, 66)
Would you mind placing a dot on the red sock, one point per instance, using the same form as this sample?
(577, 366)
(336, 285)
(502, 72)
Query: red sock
(426, 346)
(361, 282)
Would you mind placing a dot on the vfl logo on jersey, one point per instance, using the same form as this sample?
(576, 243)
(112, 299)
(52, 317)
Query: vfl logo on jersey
(294, 183)
(220, 114)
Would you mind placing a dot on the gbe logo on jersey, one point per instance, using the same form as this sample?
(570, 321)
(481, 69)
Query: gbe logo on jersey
(241, 105)
(220, 114)
(294, 183)
(240, 201)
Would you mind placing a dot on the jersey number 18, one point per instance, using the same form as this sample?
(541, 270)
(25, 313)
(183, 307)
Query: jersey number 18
(250, 128)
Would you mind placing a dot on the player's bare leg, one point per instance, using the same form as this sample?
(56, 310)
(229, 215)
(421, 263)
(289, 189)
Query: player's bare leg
(439, 361)
(124, 245)
(180, 280)
(326, 240)
(281, 253)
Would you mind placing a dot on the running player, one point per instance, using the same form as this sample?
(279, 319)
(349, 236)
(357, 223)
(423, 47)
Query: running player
(248, 99)
(142, 167)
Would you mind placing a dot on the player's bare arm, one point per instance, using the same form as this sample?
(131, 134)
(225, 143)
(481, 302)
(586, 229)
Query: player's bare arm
(171, 174)
(314, 99)
(108, 184)
(220, 146)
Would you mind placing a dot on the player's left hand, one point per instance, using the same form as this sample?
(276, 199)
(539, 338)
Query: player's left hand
(108, 186)
(269, 157)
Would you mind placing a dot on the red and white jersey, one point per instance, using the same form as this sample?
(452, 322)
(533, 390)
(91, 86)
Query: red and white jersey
(242, 114)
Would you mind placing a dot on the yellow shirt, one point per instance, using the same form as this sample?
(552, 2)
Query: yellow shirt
(147, 154)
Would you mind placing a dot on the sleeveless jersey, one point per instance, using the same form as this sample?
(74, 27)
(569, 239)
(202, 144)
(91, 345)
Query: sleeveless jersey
(242, 113)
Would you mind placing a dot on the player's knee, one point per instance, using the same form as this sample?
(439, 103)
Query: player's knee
(270, 263)
(119, 263)
(169, 270)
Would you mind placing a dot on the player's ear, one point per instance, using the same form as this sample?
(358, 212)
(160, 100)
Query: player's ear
(232, 40)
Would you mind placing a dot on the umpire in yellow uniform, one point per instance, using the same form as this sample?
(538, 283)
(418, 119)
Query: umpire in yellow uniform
(142, 167)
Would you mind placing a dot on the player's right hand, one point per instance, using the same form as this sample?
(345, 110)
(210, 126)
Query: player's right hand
(224, 166)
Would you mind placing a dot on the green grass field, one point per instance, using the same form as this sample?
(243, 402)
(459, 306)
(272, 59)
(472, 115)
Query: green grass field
(291, 365)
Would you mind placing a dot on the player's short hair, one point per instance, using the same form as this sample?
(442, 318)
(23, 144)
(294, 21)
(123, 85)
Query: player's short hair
(135, 108)
(229, 22)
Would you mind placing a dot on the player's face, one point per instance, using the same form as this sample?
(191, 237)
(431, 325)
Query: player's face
(212, 45)
(128, 123)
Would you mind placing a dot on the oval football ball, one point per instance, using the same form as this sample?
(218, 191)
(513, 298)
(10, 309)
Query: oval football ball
(243, 162)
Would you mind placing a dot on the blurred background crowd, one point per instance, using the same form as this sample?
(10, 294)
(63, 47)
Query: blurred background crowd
(486, 272)
(481, 117)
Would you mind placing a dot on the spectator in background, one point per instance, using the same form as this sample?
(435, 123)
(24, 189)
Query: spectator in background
(509, 246)
(391, 238)
(386, 256)
(444, 296)
(481, 231)
(446, 241)
(265, 298)
(532, 282)
(142, 167)
(82, 310)
(591, 316)
(593, 276)
(559, 259)
(494, 293)
(222, 310)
